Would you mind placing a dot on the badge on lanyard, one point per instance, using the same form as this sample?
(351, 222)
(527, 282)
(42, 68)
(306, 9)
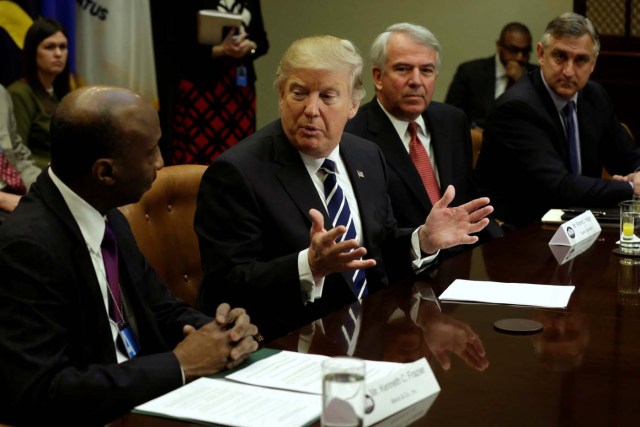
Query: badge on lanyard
(128, 339)
(241, 76)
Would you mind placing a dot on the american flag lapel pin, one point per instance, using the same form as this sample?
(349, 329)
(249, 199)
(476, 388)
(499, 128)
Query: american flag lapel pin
(360, 174)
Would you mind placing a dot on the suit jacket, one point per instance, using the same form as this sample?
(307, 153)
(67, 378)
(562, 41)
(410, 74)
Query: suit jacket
(56, 351)
(451, 141)
(473, 89)
(252, 221)
(524, 161)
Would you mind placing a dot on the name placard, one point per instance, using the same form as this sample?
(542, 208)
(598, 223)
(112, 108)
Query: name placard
(412, 383)
(576, 230)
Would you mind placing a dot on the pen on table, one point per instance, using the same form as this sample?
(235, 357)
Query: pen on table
(579, 211)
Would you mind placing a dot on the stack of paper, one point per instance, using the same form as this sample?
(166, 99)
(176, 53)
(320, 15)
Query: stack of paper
(549, 296)
(294, 395)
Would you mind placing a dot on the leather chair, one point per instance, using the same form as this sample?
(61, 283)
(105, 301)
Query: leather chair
(476, 141)
(162, 224)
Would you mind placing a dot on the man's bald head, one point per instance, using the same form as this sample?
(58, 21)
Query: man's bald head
(88, 125)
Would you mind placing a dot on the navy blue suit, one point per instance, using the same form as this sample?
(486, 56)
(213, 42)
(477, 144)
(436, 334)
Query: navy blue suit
(524, 161)
(252, 220)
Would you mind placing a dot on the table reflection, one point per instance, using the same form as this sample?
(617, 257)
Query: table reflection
(561, 344)
(402, 326)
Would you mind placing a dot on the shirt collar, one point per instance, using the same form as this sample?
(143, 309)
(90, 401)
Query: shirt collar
(313, 164)
(500, 71)
(558, 101)
(401, 126)
(89, 220)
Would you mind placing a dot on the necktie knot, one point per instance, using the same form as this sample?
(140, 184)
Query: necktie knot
(109, 244)
(328, 166)
(568, 108)
(413, 129)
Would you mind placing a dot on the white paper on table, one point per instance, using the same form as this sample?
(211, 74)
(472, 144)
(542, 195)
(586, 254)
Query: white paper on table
(549, 296)
(218, 401)
(301, 372)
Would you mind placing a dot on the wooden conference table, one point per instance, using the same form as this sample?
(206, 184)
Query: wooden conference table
(582, 370)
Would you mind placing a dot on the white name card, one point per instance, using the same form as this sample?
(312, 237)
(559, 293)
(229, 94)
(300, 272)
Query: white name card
(576, 230)
(408, 385)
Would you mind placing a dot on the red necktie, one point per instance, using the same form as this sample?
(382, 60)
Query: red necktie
(11, 176)
(422, 163)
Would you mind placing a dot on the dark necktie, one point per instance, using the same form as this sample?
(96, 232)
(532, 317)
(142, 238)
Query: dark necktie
(422, 162)
(109, 249)
(10, 176)
(572, 139)
(340, 214)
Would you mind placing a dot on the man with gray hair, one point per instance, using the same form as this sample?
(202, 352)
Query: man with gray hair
(550, 136)
(427, 144)
(294, 220)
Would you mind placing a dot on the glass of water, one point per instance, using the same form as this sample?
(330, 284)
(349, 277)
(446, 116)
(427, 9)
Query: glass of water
(343, 392)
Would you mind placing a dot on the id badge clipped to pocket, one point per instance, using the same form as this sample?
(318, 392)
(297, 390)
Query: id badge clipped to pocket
(128, 339)
(241, 76)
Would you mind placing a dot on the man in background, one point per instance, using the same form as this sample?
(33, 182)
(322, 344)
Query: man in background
(552, 133)
(427, 144)
(87, 330)
(479, 82)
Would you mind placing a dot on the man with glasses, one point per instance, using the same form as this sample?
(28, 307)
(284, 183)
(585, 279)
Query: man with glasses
(479, 82)
(549, 137)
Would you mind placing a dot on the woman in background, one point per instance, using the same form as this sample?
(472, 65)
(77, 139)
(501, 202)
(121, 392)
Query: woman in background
(45, 81)
(216, 100)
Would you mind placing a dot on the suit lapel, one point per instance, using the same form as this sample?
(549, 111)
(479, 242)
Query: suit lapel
(561, 141)
(395, 152)
(294, 178)
(81, 260)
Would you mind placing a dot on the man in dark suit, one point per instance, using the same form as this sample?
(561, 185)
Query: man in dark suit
(266, 231)
(551, 134)
(86, 332)
(479, 82)
(406, 60)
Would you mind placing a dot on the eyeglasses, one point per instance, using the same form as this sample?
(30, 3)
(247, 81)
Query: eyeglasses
(514, 50)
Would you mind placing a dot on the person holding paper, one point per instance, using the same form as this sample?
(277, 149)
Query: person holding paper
(215, 103)
(294, 221)
(87, 330)
(550, 136)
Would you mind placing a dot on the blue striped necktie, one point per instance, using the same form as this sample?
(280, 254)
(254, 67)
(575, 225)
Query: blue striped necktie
(340, 214)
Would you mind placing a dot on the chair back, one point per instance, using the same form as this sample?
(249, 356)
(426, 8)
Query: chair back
(476, 141)
(162, 224)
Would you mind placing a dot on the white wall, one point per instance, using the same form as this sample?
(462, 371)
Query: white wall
(466, 29)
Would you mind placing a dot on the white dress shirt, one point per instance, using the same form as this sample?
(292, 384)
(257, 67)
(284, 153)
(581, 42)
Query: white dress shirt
(92, 226)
